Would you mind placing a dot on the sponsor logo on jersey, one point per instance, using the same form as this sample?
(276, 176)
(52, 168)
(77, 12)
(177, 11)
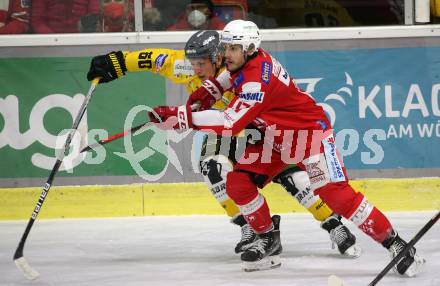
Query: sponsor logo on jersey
(252, 96)
(266, 70)
(160, 60)
(182, 67)
(25, 3)
(239, 79)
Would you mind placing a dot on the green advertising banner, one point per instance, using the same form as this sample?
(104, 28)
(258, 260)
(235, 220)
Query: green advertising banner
(39, 97)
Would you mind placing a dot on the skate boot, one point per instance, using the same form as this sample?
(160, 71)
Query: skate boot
(265, 252)
(341, 236)
(410, 264)
(248, 236)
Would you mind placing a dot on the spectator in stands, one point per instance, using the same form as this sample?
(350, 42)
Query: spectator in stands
(117, 16)
(271, 14)
(152, 16)
(14, 16)
(66, 16)
(158, 15)
(198, 15)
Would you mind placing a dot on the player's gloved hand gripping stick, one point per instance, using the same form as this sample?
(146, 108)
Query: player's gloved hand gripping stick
(138, 128)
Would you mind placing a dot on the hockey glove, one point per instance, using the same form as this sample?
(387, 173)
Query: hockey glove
(207, 94)
(172, 117)
(108, 67)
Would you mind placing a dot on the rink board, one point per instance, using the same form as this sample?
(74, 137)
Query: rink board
(386, 119)
(195, 198)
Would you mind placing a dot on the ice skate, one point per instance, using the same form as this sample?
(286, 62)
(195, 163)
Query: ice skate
(265, 252)
(342, 237)
(248, 236)
(410, 264)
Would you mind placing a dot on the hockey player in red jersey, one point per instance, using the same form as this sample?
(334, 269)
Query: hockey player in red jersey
(203, 60)
(14, 16)
(296, 130)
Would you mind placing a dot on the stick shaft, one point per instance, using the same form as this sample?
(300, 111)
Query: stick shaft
(113, 137)
(19, 251)
(194, 107)
(410, 244)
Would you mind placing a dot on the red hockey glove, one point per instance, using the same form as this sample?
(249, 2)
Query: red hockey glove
(207, 94)
(172, 117)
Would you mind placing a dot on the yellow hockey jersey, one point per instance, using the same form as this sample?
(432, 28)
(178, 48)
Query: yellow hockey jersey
(172, 65)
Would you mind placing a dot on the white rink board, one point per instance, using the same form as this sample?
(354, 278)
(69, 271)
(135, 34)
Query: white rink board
(198, 250)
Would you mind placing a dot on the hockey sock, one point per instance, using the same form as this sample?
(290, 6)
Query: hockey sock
(251, 203)
(352, 205)
(257, 214)
(371, 221)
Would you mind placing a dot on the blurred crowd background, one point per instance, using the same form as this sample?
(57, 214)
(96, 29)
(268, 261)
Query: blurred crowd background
(89, 16)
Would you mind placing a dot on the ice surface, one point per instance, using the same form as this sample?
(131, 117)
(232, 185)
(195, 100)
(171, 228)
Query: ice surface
(198, 250)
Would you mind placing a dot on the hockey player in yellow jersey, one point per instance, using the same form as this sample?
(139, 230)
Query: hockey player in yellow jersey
(200, 60)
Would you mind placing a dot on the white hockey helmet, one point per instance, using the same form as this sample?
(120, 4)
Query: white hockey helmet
(240, 32)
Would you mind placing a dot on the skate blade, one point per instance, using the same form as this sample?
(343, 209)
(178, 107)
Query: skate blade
(353, 251)
(266, 263)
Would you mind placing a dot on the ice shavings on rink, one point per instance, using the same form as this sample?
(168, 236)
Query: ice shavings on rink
(198, 250)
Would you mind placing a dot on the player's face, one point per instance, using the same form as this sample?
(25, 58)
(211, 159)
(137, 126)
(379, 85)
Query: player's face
(203, 68)
(234, 57)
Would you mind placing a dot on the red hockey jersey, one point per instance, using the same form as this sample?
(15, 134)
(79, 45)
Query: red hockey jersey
(14, 16)
(263, 89)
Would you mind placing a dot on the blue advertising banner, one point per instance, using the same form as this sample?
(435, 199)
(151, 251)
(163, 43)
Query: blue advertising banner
(383, 103)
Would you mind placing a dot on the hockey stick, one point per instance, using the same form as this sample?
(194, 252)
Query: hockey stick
(114, 137)
(336, 281)
(19, 260)
(410, 244)
(125, 132)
